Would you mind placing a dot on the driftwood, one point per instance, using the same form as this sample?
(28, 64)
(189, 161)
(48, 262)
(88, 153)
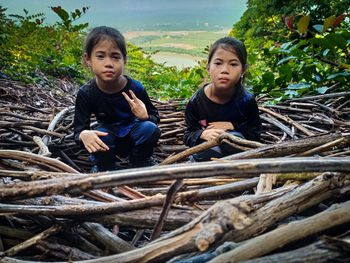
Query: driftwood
(29, 242)
(233, 221)
(288, 148)
(261, 245)
(198, 221)
(217, 141)
(241, 168)
(326, 250)
(111, 241)
(63, 252)
(60, 206)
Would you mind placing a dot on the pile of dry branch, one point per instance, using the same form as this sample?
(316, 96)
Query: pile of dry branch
(256, 205)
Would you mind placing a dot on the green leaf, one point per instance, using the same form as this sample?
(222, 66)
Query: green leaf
(285, 73)
(291, 93)
(300, 85)
(322, 90)
(268, 78)
(60, 12)
(336, 40)
(318, 28)
(338, 74)
(286, 45)
(327, 23)
(325, 52)
(286, 59)
(303, 24)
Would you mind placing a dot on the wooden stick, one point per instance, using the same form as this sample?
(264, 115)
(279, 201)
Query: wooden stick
(107, 238)
(279, 125)
(287, 119)
(324, 96)
(78, 183)
(287, 148)
(261, 245)
(69, 207)
(30, 157)
(324, 147)
(265, 183)
(326, 250)
(29, 242)
(44, 150)
(53, 123)
(170, 196)
(206, 145)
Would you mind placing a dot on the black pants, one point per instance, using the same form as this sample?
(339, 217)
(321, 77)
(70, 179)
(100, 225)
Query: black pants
(138, 144)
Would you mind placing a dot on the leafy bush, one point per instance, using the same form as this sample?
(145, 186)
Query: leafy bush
(313, 61)
(162, 81)
(28, 47)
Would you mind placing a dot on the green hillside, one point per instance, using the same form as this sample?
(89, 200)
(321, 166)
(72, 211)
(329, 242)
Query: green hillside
(184, 42)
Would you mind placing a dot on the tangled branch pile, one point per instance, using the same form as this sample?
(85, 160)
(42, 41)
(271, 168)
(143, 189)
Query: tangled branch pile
(226, 210)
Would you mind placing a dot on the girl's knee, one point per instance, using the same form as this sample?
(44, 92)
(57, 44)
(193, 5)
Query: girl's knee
(149, 128)
(146, 131)
(109, 139)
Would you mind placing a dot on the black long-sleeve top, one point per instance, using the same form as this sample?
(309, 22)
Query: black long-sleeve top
(109, 108)
(242, 111)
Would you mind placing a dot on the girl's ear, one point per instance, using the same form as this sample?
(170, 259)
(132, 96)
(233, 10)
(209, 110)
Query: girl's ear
(244, 70)
(208, 69)
(87, 59)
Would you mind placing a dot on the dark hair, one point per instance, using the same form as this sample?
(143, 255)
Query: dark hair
(104, 33)
(231, 44)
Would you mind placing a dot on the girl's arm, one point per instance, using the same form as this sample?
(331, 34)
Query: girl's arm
(194, 129)
(82, 115)
(153, 114)
(252, 128)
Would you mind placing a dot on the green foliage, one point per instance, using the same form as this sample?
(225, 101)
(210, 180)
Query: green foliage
(29, 48)
(308, 64)
(290, 57)
(161, 81)
(263, 18)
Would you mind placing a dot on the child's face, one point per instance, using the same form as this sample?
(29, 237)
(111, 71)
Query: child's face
(225, 69)
(106, 60)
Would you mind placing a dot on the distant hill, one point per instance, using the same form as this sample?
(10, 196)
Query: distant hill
(139, 15)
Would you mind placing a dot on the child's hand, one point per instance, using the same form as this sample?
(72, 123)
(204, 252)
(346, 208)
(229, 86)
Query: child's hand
(210, 134)
(92, 142)
(137, 106)
(226, 125)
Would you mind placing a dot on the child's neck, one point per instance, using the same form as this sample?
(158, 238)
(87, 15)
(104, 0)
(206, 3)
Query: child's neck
(112, 87)
(218, 96)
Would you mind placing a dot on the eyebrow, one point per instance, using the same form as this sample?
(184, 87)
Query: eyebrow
(113, 53)
(235, 59)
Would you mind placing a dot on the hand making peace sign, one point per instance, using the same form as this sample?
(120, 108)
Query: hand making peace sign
(137, 106)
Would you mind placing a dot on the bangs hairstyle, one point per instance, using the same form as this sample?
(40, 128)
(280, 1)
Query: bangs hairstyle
(230, 44)
(104, 33)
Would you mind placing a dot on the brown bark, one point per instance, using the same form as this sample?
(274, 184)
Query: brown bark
(261, 245)
(323, 251)
(29, 242)
(206, 145)
(63, 252)
(78, 183)
(107, 238)
(62, 206)
(288, 120)
(288, 148)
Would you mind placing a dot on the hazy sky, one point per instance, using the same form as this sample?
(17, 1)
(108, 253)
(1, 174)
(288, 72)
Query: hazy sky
(132, 15)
